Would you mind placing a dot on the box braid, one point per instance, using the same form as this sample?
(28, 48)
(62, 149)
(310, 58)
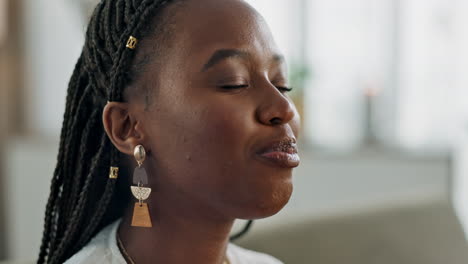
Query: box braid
(82, 199)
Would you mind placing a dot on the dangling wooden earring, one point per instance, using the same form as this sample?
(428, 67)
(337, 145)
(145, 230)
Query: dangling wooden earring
(141, 216)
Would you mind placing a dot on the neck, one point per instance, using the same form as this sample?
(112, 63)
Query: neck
(178, 234)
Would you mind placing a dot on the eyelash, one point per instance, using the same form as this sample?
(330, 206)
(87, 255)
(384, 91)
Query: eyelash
(232, 87)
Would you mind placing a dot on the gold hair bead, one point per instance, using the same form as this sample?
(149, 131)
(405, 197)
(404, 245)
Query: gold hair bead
(114, 172)
(132, 42)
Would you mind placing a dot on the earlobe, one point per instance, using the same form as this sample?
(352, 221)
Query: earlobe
(120, 124)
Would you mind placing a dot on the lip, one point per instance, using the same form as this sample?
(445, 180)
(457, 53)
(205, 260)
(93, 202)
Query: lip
(281, 159)
(282, 153)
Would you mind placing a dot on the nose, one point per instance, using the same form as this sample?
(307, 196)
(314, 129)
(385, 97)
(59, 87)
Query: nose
(276, 108)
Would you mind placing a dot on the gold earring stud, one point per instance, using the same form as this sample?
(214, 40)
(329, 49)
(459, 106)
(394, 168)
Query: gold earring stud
(140, 154)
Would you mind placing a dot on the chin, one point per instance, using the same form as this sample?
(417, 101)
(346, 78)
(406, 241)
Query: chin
(268, 205)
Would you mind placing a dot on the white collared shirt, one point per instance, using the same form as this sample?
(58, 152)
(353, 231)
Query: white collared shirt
(103, 249)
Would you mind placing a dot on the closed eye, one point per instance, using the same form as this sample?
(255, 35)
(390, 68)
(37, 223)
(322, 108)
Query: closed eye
(232, 87)
(284, 89)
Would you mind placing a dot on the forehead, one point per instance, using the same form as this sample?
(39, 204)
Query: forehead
(208, 25)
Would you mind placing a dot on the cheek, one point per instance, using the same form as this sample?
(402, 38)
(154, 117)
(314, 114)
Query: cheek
(204, 143)
(220, 142)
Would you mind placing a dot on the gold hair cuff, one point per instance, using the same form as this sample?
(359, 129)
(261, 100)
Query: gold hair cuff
(114, 172)
(132, 42)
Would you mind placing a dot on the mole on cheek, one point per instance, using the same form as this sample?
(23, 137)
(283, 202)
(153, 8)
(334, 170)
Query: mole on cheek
(187, 156)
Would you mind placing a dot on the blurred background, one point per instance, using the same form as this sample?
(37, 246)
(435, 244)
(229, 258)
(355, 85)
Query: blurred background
(382, 89)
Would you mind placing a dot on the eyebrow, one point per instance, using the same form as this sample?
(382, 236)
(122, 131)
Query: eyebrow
(224, 54)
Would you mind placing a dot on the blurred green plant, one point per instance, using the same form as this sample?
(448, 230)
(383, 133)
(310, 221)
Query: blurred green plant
(299, 74)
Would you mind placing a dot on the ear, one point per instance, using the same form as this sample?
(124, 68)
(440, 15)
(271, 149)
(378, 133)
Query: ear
(122, 127)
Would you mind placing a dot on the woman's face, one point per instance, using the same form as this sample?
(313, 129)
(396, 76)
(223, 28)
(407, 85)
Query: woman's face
(204, 135)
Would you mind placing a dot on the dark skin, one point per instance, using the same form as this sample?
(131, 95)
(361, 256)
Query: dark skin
(201, 138)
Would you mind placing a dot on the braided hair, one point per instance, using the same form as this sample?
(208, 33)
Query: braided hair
(82, 200)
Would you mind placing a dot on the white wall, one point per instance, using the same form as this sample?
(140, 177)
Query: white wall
(53, 37)
(29, 168)
(284, 20)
